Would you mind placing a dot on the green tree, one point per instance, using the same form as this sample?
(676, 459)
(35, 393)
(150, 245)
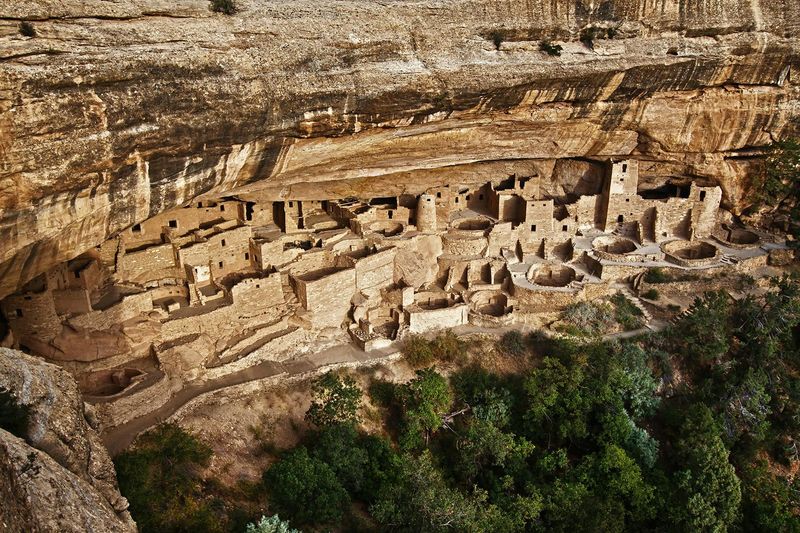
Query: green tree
(770, 502)
(305, 489)
(336, 399)
(424, 400)
(705, 331)
(14, 416)
(160, 476)
(423, 502)
(778, 187)
(708, 492)
(272, 524)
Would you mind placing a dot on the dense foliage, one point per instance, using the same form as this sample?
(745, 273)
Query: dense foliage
(336, 400)
(690, 429)
(160, 478)
(14, 416)
(778, 188)
(695, 428)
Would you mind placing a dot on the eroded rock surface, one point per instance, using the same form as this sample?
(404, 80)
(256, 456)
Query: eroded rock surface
(62, 478)
(116, 111)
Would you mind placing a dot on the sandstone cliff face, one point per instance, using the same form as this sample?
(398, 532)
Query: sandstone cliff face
(62, 478)
(116, 111)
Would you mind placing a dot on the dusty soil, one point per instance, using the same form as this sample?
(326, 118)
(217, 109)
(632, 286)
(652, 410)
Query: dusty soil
(248, 433)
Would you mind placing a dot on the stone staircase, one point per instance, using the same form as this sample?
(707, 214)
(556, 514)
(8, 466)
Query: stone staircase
(628, 293)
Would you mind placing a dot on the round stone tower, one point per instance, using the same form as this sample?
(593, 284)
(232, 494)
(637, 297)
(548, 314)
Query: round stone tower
(426, 213)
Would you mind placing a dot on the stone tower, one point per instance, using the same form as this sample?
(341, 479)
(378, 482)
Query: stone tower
(426, 213)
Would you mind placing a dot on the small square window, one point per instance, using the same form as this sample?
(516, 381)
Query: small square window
(627, 199)
(258, 286)
(620, 218)
(222, 207)
(438, 195)
(137, 228)
(291, 204)
(173, 223)
(533, 227)
(246, 256)
(220, 264)
(564, 228)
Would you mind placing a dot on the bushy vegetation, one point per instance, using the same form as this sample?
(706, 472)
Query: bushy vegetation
(513, 343)
(627, 314)
(593, 33)
(497, 38)
(585, 319)
(26, 29)
(160, 477)
(585, 441)
(14, 416)
(336, 399)
(271, 524)
(420, 352)
(651, 294)
(226, 7)
(550, 49)
(778, 187)
(696, 428)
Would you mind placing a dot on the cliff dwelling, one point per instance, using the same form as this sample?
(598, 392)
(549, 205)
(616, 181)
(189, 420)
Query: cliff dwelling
(223, 284)
(430, 265)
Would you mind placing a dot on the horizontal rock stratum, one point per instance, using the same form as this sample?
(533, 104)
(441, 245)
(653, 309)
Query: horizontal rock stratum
(116, 111)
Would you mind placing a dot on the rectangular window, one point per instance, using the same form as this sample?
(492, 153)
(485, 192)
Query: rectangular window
(222, 207)
(456, 199)
(564, 227)
(391, 214)
(19, 313)
(291, 204)
(438, 195)
(480, 197)
(173, 223)
(223, 242)
(620, 219)
(77, 274)
(246, 256)
(220, 264)
(624, 167)
(702, 196)
(533, 227)
(137, 228)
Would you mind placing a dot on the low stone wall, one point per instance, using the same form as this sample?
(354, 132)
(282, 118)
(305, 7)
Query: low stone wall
(136, 404)
(430, 319)
(534, 300)
(130, 307)
(139, 265)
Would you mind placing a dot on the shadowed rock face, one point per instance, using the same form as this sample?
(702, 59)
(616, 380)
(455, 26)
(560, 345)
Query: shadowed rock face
(60, 478)
(114, 112)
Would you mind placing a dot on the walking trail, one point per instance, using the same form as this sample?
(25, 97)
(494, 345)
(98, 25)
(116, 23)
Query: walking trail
(120, 437)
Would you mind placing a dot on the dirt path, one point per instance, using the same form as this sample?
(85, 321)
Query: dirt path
(120, 437)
